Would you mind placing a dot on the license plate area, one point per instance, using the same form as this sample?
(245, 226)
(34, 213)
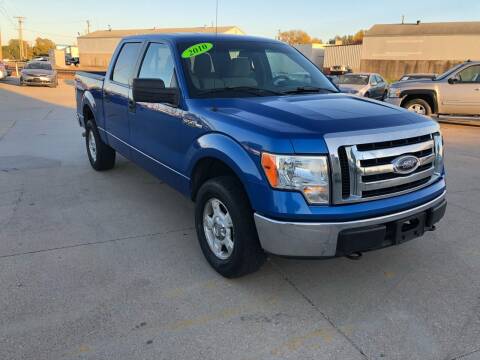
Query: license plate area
(409, 228)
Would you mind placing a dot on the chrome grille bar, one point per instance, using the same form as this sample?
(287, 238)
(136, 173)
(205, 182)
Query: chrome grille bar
(394, 151)
(383, 184)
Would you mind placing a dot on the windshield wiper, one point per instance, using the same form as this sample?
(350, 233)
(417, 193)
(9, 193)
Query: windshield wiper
(307, 89)
(245, 89)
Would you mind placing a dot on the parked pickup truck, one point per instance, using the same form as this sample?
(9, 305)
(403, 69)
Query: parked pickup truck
(455, 92)
(276, 163)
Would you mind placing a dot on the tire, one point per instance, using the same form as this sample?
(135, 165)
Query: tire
(100, 155)
(367, 95)
(384, 96)
(22, 83)
(422, 107)
(246, 255)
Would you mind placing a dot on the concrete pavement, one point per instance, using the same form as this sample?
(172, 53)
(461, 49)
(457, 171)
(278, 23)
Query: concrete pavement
(107, 265)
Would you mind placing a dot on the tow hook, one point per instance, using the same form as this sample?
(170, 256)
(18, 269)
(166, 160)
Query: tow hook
(354, 256)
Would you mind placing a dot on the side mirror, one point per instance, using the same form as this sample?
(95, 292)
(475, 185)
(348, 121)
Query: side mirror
(452, 80)
(154, 91)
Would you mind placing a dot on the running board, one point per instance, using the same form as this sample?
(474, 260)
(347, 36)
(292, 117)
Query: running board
(460, 120)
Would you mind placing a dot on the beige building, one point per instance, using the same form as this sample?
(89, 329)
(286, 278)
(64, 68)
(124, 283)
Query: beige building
(96, 48)
(395, 49)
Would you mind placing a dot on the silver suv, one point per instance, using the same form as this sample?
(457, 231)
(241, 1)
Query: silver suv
(455, 92)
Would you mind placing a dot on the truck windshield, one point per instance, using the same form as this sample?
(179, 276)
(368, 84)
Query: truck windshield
(242, 69)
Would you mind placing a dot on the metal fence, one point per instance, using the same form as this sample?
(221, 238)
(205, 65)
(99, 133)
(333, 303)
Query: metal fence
(343, 55)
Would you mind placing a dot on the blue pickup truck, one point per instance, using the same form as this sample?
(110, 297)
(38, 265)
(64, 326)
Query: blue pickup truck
(276, 159)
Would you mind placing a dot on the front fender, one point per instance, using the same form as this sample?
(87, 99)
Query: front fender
(243, 162)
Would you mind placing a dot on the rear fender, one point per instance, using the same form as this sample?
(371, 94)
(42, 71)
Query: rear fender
(89, 101)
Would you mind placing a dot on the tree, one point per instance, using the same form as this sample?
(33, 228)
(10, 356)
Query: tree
(42, 46)
(12, 50)
(293, 37)
(349, 39)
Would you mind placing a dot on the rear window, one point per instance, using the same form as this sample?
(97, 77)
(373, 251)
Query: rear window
(125, 64)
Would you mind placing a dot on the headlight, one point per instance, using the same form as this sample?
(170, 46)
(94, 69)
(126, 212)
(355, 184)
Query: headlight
(439, 150)
(394, 92)
(306, 174)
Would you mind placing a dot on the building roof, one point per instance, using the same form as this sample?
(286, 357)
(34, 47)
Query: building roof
(442, 28)
(128, 32)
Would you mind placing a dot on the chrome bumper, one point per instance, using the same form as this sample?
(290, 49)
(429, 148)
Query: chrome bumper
(307, 239)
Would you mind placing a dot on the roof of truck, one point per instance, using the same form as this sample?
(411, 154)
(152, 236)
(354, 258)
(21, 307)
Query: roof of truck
(187, 37)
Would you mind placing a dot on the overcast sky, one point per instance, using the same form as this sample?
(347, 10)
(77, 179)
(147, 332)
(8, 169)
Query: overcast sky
(62, 20)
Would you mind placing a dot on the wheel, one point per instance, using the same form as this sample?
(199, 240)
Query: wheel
(384, 96)
(418, 106)
(225, 228)
(367, 95)
(22, 83)
(101, 156)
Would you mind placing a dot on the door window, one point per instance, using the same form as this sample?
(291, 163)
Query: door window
(469, 75)
(125, 64)
(158, 64)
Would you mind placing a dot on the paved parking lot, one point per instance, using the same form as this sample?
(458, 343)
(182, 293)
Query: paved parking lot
(107, 265)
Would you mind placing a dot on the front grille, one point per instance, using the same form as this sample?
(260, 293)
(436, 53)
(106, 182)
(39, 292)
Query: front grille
(367, 170)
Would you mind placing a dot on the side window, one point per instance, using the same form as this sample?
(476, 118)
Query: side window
(469, 75)
(379, 79)
(373, 80)
(158, 64)
(125, 64)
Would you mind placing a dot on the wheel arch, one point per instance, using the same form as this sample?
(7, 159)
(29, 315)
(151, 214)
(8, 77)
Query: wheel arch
(430, 96)
(216, 155)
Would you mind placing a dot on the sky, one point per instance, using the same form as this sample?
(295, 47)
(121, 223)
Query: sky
(62, 20)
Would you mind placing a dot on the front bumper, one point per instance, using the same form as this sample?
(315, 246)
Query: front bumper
(38, 80)
(394, 100)
(308, 239)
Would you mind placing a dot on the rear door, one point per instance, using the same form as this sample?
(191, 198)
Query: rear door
(116, 92)
(462, 97)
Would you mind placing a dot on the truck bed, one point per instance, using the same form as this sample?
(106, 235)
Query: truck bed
(91, 81)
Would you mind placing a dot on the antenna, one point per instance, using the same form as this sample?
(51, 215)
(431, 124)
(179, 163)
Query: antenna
(214, 107)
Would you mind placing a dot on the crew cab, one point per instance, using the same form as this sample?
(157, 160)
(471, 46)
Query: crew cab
(456, 92)
(276, 163)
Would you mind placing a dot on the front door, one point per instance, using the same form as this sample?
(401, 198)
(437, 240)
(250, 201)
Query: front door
(461, 96)
(155, 127)
(116, 97)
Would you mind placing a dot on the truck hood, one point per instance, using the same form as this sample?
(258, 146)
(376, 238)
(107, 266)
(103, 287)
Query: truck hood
(413, 82)
(301, 117)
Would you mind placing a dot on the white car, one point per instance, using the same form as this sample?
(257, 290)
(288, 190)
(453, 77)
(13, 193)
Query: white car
(3, 71)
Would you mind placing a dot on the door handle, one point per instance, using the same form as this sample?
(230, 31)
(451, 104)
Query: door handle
(131, 105)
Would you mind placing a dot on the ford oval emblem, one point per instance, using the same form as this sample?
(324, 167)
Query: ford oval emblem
(405, 164)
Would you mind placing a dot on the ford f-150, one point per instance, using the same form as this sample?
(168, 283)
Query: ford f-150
(276, 159)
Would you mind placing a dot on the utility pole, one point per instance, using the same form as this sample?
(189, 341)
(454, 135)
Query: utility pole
(88, 26)
(1, 54)
(20, 19)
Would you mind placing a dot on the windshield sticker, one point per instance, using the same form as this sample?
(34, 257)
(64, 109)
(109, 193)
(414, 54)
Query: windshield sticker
(196, 49)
